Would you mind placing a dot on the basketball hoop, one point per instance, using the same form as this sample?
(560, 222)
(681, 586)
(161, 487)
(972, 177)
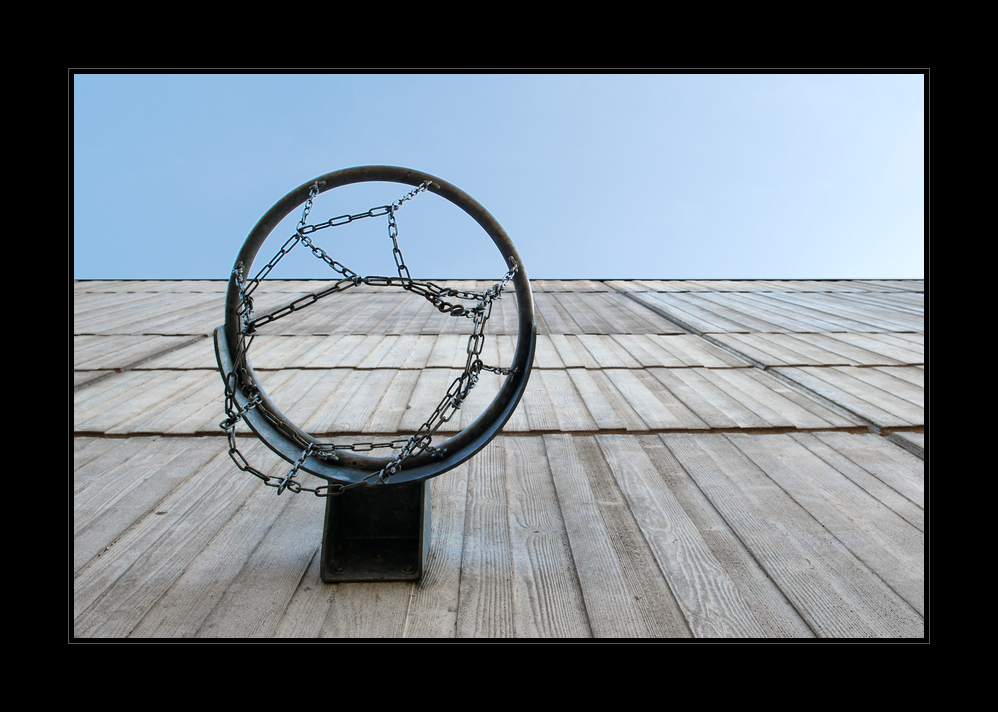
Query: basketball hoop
(416, 457)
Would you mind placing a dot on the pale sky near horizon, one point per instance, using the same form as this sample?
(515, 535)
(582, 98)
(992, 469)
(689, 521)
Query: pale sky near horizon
(592, 176)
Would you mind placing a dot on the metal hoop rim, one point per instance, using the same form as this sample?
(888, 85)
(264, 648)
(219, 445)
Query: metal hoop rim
(351, 468)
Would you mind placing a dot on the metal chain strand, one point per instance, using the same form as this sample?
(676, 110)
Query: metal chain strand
(241, 379)
(434, 294)
(288, 481)
(291, 242)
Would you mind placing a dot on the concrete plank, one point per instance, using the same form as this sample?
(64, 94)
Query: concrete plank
(834, 592)
(709, 600)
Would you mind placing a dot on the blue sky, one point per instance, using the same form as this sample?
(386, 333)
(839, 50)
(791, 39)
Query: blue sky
(592, 176)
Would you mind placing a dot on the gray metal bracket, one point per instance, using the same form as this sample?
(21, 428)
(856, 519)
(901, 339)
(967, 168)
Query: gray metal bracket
(379, 533)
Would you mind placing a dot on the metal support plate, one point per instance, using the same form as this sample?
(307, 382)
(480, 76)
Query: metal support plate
(377, 533)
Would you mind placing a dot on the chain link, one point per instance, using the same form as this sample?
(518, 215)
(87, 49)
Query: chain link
(434, 294)
(240, 377)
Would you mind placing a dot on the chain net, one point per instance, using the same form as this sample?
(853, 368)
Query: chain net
(478, 309)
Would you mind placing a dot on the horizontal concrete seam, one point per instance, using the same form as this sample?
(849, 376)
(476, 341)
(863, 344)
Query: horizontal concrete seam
(871, 426)
(775, 430)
